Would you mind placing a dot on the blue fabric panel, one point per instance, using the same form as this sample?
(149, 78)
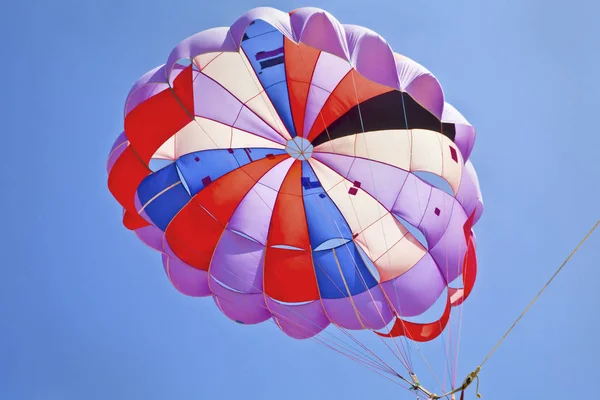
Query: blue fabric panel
(263, 46)
(164, 207)
(356, 275)
(324, 220)
(201, 168)
(157, 182)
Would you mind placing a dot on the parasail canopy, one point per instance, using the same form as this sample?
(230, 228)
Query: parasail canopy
(298, 170)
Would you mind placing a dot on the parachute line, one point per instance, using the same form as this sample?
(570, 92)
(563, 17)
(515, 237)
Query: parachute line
(537, 296)
(475, 374)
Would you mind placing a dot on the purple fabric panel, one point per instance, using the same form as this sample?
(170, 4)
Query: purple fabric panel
(238, 262)
(151, 236)
(213, 102)
(208, 41)
(240, 307)
(120, 139)
(452, 115)
(319, 29)
(253, 215)
(465, 133)
(153, 84)
(150, 84)
(382, 181)
(185, 278)
(415, 291)
(340, 164)
(449, 251)
(329, 71)
(465, 139)
(274, 178)
(420, 84)
(469, 193)
(138, 206)
(316, 99)
(116, 151)
(436, 216)
(142, 94)
(299, 321)
(155, 76)
(418, 200)
(412, 201)
(278, 19)
(426, 90)
(353, 35)
(371, 306)
(372, 56)
(250, 122)
(408, 70)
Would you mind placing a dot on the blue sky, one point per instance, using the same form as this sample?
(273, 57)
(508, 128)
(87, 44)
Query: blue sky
(86, 310)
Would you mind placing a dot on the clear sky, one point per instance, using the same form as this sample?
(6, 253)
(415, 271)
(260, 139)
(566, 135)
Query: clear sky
(86, 310)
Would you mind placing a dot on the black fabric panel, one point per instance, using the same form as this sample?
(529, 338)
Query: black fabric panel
(378, 113)
(418, 117)
(391, 110)
(449, 130)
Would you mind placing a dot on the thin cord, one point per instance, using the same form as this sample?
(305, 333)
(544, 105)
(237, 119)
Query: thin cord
(474, 376)
(539, 293)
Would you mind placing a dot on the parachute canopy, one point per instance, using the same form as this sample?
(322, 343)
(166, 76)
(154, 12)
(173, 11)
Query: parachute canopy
(297, 169)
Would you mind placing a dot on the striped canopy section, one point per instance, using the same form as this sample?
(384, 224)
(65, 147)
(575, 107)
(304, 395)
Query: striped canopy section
(297, 169)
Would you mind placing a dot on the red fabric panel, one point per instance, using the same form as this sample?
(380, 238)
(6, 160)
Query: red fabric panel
(420, 332)
(289, 275)
(469, 272)
(195, 231)
(300, 63)
(155, 120)
(133, 221)
(124, 178)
